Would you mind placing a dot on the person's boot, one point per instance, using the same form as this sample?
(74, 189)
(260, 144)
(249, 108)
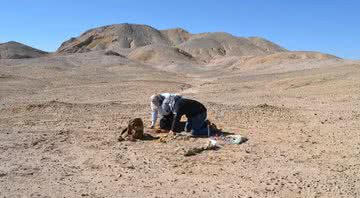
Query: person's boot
(214, 130)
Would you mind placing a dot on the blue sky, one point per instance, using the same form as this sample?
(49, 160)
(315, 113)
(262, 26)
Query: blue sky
(330, 26)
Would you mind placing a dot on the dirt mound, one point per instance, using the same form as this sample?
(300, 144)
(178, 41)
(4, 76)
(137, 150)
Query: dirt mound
(176, 36)
(113, 37)
(177, 46)
(288, 56)
(160, 54)
(216, 45)
(15, 50)
(266, 45)
(205, 46)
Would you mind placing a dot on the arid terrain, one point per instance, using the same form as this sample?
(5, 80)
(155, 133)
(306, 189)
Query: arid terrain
(61, 115)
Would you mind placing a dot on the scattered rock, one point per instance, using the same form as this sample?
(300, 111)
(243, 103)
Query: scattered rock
(36, 142)
(197, 150)
(112, 53)
(263, 105)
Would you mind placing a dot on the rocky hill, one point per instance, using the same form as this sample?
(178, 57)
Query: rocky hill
(148, 45)
(15, 50)
(125, 38)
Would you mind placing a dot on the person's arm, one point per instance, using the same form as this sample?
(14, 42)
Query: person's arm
(177, 108)
(175, 122)
(154, 115)
(178, 111)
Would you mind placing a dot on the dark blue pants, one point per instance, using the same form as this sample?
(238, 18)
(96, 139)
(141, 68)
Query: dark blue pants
(197, 125)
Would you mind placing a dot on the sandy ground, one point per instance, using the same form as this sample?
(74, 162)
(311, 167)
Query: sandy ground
(60, 118)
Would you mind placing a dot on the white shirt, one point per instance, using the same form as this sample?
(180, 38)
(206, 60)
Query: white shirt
(163, 109)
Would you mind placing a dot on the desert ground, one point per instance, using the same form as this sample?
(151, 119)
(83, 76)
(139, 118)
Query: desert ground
(61, 116)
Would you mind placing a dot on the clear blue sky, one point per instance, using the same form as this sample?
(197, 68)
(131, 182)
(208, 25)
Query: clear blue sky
(331, 26)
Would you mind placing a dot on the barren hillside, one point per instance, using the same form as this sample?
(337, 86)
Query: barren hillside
(146, 44)
(61, 116)
(15, 50)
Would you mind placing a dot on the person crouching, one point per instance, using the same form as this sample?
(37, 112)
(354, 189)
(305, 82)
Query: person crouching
(196, 114)
(160, 106)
